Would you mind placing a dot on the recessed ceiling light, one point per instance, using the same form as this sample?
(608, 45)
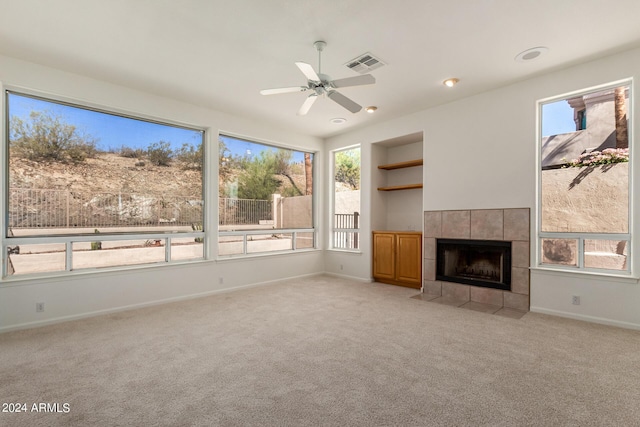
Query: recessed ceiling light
(338, 121)
(531, 54)
(371, 109)
(450, 82)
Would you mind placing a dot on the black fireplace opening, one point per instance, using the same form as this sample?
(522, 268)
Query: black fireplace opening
(484, 263)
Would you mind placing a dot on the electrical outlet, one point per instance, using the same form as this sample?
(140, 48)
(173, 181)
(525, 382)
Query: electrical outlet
(221, 280)
(575, 300)
(39, 307)
(340, 266)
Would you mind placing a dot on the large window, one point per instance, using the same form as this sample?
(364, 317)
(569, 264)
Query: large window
(266, 198)
(346, 198)
(89, 189)
(584, 181)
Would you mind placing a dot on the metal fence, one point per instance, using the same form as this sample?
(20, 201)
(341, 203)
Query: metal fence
(343, 235)
(47, 208)
(244, 211)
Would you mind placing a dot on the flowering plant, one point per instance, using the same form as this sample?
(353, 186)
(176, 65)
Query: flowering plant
(604, 157)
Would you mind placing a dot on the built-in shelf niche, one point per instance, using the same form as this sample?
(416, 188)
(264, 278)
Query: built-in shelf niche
(396, 197)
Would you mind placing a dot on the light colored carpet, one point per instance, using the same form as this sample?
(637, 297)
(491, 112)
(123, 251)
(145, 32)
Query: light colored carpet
(322, 351)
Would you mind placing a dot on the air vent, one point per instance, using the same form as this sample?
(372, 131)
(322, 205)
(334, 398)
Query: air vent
(364, 63)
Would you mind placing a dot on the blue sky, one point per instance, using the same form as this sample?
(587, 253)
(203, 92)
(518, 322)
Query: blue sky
(114, 132)
(111, 131)
(242, 147)
(557, 118)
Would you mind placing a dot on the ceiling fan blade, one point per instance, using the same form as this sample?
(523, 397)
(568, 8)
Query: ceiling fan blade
(308, 71)
(307, 104)
(366, 79)
(283, 90)
(339, 98)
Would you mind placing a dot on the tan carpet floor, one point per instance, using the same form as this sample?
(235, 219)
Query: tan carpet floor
(321, 351)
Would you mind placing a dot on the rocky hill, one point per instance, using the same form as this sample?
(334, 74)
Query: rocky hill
(105, 174)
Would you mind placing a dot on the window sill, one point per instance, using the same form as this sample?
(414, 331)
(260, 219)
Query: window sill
(64, 276)
(590, 275)
(240, 257)
(346, 251)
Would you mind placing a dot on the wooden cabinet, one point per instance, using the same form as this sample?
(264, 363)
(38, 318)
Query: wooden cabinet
(397, 258)
(401, 165)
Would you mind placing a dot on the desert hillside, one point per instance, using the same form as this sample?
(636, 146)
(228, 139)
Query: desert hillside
(107, 173)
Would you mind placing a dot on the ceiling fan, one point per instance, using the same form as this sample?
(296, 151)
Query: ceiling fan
(321, 84)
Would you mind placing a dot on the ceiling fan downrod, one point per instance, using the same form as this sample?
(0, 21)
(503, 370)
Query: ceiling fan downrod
(320, 45)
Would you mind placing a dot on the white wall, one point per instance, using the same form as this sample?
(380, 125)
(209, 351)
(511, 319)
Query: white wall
(87, 294)
(480, 153)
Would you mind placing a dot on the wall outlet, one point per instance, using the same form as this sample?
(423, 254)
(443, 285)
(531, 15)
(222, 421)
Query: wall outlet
(221, 280)
(39, 307)
(575, 300)
(340, 266)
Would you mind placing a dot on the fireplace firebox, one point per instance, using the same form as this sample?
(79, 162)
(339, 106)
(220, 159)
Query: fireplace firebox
(485, 263)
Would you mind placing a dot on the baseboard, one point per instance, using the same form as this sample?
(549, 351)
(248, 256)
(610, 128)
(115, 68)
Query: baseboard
(61, 319)
(585, 318)
(347, 277)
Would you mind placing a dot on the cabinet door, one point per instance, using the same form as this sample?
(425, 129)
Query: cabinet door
(384, 256)
(409, 259)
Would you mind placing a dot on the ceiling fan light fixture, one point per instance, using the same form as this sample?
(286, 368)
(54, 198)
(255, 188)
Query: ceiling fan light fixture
(451, 82)
(371, 109)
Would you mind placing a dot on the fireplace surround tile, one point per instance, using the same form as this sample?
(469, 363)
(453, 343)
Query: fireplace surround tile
(433, 224)
(455, 291)
(456, 224)
(486, 295)
(487, 224)
(516, 301)
(511, 225)
(429, 269)
(520, 280)
(429, 248)
(516, 224)
(520, 254)
(432, 287)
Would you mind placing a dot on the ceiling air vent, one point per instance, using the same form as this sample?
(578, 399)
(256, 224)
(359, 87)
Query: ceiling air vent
(364, 63)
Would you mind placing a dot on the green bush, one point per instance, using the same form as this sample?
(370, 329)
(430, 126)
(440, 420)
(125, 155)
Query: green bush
(190, 157)
(96, 246)
(160, 153)
(132, 153)
(45, 136)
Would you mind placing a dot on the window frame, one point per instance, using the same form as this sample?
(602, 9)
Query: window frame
(69, 239)
(332, 213)
(581, 237)
(246, 235)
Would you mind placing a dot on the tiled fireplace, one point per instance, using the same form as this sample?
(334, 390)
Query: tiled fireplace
(496, 228)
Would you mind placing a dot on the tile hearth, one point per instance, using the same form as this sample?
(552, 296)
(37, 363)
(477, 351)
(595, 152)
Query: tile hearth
(511, 225)
(472, 305)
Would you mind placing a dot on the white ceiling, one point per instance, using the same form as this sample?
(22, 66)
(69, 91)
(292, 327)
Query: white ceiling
(220, 53)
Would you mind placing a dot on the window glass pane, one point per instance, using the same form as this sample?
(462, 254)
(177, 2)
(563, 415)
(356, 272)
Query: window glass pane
(38, 258)
(73, 170)
(183, 249)
(267, 188)
(585, 169)
(101, 254)
(346, 184)
(560, 251)
(606, 254)
(305, 240)
(257, 243)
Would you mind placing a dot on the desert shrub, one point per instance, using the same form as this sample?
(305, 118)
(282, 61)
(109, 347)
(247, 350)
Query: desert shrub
(132, 153)
(45, 136)
(190, 157)
(97, 245)
(160, 153)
